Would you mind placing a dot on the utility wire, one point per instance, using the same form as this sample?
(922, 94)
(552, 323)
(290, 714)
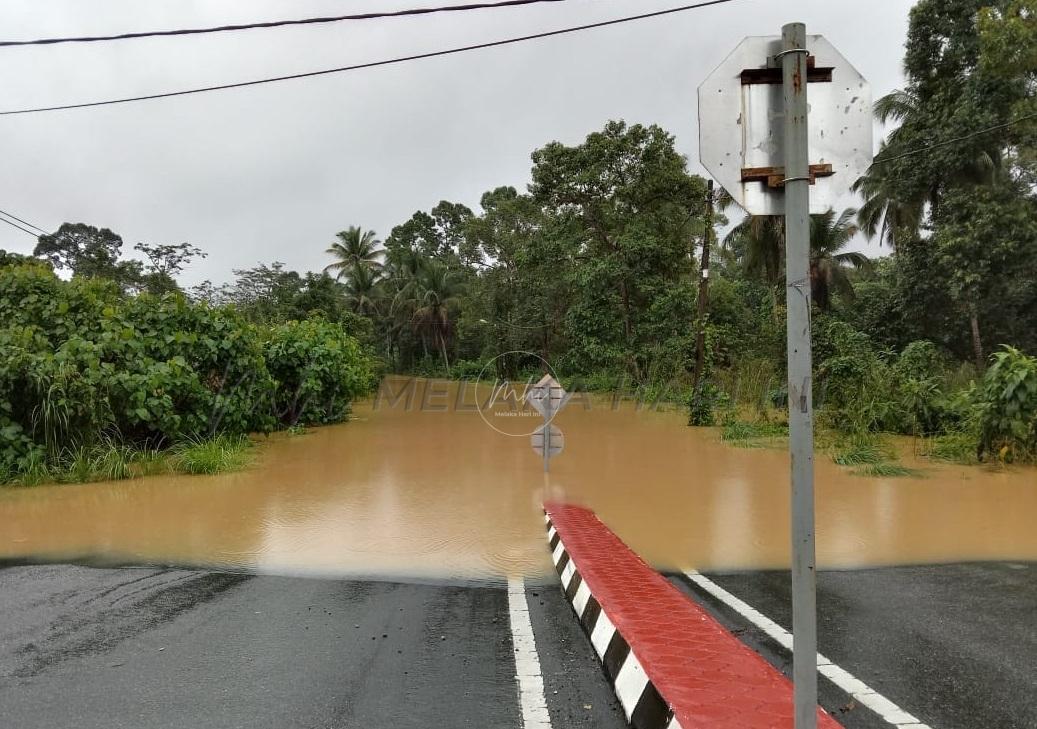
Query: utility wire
(276, 23)
(15, 225)
(371, 64)
(24, 222)
(963, 138)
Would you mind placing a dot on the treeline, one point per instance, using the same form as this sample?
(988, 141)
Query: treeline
(594, 267)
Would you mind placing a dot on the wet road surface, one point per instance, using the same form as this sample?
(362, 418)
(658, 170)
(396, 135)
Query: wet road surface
(147, 648)
(954, 645)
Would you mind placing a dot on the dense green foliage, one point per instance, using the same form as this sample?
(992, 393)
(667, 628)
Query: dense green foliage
(84, 365)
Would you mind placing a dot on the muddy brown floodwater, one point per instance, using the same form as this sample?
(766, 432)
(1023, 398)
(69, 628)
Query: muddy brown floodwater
(424, 484)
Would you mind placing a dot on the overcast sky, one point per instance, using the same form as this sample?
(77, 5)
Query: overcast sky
(272, 172)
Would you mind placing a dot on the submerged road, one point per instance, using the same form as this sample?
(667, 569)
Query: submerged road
(953, 645)
(143, 648)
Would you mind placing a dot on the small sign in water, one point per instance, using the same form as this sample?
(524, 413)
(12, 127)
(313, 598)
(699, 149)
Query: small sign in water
(556, 441)
(548, 397)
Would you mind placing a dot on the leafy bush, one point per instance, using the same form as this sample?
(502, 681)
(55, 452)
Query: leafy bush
(90, 376)
(1008, 407)
(319, 370)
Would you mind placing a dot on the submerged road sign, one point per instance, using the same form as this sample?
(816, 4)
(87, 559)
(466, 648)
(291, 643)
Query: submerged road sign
(742, 127)
(548, 397)
(555, 441)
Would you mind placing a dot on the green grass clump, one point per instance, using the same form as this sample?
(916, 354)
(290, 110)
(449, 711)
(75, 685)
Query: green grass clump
(887, 470)
(212, 455)
(953, 447)
(743, 434)
(859, 450)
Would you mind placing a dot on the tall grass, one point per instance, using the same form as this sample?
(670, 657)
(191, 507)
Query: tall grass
(862, 449)
(888, 470)
(755, 434)
(212, 455)
(952, 447)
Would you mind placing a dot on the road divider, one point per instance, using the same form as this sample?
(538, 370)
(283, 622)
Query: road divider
(672, 665)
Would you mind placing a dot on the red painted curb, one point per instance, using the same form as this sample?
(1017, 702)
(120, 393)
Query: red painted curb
(704, 675)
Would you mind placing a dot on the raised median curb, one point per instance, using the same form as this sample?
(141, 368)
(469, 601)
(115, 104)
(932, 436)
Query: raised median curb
(671, 664)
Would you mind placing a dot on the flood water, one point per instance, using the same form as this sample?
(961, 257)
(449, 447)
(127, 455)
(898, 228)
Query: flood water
(423, 483)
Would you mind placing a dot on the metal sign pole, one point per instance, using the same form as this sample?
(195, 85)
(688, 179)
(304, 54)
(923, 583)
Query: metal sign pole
(547, 430)
(801, 428)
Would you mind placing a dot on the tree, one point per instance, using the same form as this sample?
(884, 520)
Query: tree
(354, 248)
(635, 210)
(164, 263)
(829, 259)
(82, 249)
(361, 290)
(431, 299)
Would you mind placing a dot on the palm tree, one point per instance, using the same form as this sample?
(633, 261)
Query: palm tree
(894, 219)
(362, 289)
(431, 298)
(829, 261)
(354, 249)
(758, 242)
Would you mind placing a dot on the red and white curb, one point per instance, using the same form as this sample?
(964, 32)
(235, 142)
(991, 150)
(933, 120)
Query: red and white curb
(642, 704)
(671, 664)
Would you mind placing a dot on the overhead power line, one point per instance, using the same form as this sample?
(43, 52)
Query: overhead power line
(15, 225)
(371, 64)
(275, 23)
(24, 222)
(955, 140)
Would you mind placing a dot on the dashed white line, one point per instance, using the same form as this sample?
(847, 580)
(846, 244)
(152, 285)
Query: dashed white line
(860, 691)
(527, 662)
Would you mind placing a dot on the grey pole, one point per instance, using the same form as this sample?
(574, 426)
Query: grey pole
(801, 426)
(547, 430)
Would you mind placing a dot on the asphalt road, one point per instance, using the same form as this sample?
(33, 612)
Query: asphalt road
(954, 645)
(143, 648)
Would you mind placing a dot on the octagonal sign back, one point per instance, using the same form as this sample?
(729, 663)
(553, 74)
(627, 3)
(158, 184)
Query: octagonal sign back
(742, 130)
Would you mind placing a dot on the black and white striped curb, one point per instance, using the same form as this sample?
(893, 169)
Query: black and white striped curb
(642, 704)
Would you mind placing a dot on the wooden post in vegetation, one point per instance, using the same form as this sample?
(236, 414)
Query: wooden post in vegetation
(700, 338)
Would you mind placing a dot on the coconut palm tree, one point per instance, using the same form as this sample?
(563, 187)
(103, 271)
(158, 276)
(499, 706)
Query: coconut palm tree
(758, 242)
(894, 219)
(829, 259)
(362, 289)
(354, 248)
(431, 298)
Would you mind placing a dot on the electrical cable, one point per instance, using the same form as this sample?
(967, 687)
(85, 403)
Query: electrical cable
(371, 64)
(275, 23)
(963, 138)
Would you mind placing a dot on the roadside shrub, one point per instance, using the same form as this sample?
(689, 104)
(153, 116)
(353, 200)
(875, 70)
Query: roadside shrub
(319, 370)
(1008, 407)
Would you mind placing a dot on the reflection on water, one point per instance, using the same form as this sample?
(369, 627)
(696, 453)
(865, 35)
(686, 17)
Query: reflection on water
(430, 490)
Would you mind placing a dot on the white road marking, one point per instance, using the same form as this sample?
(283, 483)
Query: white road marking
(860, 691)
(527, 661)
